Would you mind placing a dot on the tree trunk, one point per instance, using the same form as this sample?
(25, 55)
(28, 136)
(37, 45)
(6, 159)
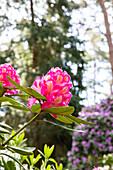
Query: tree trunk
(34, 46)
(108, 36)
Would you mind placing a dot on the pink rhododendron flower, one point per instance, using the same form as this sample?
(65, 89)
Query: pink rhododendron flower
(55, 86)
(8, 70)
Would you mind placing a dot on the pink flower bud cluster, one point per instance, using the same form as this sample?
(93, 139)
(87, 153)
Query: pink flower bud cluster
(55, 86)
(8, 70)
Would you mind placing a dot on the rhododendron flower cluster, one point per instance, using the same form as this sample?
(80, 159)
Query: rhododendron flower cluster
(8, 70)
(96, 140)
(55, 86)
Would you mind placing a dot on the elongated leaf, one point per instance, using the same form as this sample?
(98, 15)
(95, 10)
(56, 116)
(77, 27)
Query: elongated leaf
(62, 119)
(5, 164)
(48, 167)
(50, 151)
(10, 100)
(53, 160)
(23, 96)
(2, 130)
(19, 107)
(23, 141)
(36, 108)
(59, 110)
(21, 137)
(36, 159)
(64, 127)
(79, 121)
(31, 158)
(16, 160)
(28, 90)
(16, 84)
(20, 95)
(27, 161)
(45, 149)
(22, 151)
(41, 153)
(35, 94)
(10, 88)
(1, 90)
(5, 125)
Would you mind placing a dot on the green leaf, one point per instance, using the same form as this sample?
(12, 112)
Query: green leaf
(36, 159)
(5, 164)
(10, 88)
(28, 90)
(5, 126)
(19, 107)
(59, 110)
(23, 141)
(10, 100)
(62, 119)
(16, 160)
(28, 161)
(2, 130)
(48, 167)
(60, 166)
(14, 103)
(64, 127)
(16, 84)
(31, 158)
(41, 153)
(1, 90)
(20, 95)
(79, 121)
(15, 137)
(23, 96)
(45, 149)
(50, 151)
(22, 151)
(36, 108)
(53, 160)
(35, 94)
(20, 138)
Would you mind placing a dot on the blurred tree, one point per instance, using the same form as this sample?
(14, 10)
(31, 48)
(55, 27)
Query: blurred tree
(108, 36)
(91, 26)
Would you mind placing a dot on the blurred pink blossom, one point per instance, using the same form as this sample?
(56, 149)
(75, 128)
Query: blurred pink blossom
(8, 70)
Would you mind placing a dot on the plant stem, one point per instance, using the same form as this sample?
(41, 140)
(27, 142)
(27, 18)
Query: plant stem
(21, 129)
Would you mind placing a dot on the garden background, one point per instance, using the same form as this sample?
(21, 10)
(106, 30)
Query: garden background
(77, 37)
